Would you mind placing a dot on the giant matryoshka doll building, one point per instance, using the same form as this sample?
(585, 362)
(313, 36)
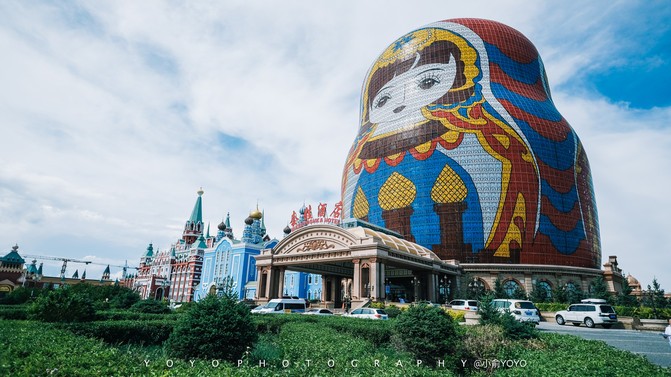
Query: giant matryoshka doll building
(461, 149)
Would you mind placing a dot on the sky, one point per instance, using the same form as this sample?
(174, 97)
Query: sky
(113, 114)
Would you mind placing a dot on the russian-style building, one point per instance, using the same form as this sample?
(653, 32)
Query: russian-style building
(199, 264)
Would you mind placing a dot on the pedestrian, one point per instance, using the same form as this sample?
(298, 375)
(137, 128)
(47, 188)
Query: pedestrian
(667, 332)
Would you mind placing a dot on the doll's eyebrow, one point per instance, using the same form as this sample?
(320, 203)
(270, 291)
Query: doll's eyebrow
(429, 70)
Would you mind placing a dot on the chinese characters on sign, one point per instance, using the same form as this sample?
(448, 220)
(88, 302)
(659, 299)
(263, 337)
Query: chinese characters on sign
(305, 216)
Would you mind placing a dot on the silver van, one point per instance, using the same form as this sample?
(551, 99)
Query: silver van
(281, 306)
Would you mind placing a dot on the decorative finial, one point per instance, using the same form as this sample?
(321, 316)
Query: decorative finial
(15, 247)
(200, 192)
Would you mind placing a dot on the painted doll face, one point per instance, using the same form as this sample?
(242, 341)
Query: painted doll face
(398, 104)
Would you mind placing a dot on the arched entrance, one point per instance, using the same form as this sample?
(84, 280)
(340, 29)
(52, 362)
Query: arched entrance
(358, 264)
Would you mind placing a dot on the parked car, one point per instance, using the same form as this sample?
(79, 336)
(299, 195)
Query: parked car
(522, 310)
(318, 311)
(590, 311)
(369, 313)
(471, 305)
(281, 305)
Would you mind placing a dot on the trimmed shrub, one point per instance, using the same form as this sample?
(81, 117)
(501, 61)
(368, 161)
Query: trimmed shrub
(392, 311)
(145, 332)
(62, 305)
(427, 332)
(13, 312)
(457, 315)
(214, 328)
(483, 342)
(150, 306)
(125, 315)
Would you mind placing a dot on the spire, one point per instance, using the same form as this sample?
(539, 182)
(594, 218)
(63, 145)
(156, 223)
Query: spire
(201, 243)
(106, 273)
(150, 250)
(207, 234)
(76, 274)
(197, 213)
(228, 220)
(84, 275)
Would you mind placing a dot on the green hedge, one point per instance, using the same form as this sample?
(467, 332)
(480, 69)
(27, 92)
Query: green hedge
(374, 331)
(13, 312)
(122, 315)
(146, 332)
(550, 306)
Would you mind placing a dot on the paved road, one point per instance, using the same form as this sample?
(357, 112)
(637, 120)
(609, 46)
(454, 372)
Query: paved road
(648, 343)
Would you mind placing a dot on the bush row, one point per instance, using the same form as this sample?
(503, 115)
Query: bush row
(13, 312)
(146, 332)
(376, 332)
(121, 315)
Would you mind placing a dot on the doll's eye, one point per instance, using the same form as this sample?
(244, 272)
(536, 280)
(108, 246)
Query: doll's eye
(382, 101)
(427, 82)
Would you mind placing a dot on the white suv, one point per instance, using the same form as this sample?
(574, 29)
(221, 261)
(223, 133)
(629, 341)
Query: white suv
(522, 310)
(590, 311)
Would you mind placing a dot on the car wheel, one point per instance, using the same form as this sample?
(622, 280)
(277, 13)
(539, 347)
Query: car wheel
(589, 322)
(606, 325)
(576, 323)
(560, 320)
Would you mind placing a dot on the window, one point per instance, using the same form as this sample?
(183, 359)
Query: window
(510, 286)
(545, 288)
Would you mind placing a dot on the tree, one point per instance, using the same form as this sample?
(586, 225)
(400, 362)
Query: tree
(62, 305)
(213, 328)
(598, 289)
(560, 294)
(625, 298)
(427, 332)
(519, 293)
(654, 297)
(539, 294)
(499, 292)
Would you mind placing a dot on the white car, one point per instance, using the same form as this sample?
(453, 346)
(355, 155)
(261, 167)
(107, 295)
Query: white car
(590, 311)
(522, 310)
(471, 305)
(280, 306)
(318, 311)
(369, 313)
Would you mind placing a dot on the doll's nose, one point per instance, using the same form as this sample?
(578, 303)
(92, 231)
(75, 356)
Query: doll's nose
(399, 109)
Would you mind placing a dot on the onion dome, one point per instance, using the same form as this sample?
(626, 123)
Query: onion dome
(221, 226)
(249, 220)
(256, 214)
(287, 230)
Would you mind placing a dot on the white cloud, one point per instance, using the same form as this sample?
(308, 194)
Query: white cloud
(110, 115)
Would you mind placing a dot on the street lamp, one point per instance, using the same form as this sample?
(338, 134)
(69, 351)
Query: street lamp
(416, 282)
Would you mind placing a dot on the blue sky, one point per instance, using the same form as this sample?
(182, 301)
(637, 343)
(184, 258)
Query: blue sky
(113, 114)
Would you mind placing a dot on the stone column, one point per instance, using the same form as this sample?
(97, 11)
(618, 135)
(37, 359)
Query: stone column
(333, 289)
(380, 282)
(260, 290)
(431, 286)
(323, 289)
(373, 281)
(280, 285)
(269, 283)
(356, 284)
